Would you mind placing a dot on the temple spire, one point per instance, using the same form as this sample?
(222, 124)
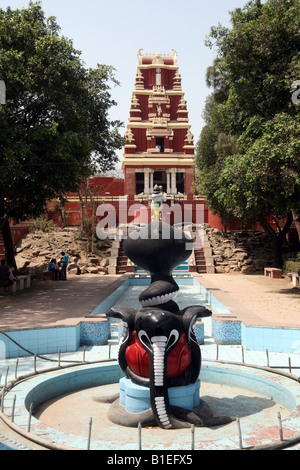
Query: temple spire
(159, 148)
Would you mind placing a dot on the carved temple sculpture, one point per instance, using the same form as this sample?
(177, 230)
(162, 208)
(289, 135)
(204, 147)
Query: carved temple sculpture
(159, 353)
(158, 198)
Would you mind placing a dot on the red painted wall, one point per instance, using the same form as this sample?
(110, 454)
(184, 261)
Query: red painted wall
(107, 186)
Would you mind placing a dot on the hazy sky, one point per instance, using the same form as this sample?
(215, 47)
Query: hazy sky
(112, 31)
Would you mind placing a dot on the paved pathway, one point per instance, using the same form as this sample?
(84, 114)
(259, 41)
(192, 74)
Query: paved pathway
(255, 299)
(50, 303)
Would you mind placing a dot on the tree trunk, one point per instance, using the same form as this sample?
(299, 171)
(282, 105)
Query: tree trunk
(8, 243)
(277, 238)
(296, 217)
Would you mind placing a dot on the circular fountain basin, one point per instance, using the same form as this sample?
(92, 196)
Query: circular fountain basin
(65, 399)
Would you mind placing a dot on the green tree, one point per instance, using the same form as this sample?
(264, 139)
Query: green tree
(258, 58)
(263, 183)
(55, 126)
(213, 146)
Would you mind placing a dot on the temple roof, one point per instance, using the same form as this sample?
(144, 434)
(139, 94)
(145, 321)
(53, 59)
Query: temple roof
(158, 58)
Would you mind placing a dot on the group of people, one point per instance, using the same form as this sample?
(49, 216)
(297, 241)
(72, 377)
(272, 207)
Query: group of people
(7, 276)
(59, 274)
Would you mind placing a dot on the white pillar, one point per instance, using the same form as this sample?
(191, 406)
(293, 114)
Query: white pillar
(173, 181)
(151, 181)
(168, 182)
(146, 181)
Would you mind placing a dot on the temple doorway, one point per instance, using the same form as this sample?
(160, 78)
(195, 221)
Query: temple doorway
(139, 183)
(160, 144)
(180, 182)
(160, 178)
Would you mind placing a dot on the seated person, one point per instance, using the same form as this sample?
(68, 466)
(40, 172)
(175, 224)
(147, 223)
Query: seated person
(53, 267)
(11, 270)
(4, 275)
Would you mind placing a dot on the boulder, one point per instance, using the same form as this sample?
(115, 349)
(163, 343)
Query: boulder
(75, 271)
(21, 262)
(248, 269)
(92, 270)
(72, 266)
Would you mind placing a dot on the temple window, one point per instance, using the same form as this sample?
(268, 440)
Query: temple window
(160, 144)
(158, 77)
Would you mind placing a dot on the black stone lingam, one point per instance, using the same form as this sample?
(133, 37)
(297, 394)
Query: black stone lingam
(159, 349)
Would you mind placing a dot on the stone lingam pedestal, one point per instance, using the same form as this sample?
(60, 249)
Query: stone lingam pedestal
(159, 353)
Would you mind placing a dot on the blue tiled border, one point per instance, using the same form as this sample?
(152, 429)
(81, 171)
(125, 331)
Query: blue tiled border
(51, 340)
(40, 341)
(257, 338)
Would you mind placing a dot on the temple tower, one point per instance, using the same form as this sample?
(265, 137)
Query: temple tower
(159, 147)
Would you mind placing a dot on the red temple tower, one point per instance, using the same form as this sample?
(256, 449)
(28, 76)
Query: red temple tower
(159, 146)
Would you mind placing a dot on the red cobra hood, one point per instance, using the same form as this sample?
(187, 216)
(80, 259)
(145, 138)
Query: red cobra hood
(138, 359)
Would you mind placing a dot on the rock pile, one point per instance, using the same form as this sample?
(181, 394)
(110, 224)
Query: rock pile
(243, 251)
(36, 249)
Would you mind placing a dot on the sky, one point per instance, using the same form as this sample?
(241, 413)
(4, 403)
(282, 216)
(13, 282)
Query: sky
(112, 31)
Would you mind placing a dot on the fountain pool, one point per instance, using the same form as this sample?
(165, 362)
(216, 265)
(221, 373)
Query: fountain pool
(64, 398)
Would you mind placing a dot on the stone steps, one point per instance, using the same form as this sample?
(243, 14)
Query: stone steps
(122, 260)
(200, 261)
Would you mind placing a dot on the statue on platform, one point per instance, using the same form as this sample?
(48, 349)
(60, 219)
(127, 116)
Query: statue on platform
(158, 197)
(159, 349)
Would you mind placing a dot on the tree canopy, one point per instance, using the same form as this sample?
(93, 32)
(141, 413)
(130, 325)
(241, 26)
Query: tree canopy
(248, 153)
(55, 125)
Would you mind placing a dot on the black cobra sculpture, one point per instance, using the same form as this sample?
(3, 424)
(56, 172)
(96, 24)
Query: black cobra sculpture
(158, 348)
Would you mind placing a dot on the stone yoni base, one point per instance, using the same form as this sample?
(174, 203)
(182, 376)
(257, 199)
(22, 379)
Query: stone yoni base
(136, 398)
(133, 407)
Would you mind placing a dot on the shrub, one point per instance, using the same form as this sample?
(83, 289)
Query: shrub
(42, 224)
(291, 266)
